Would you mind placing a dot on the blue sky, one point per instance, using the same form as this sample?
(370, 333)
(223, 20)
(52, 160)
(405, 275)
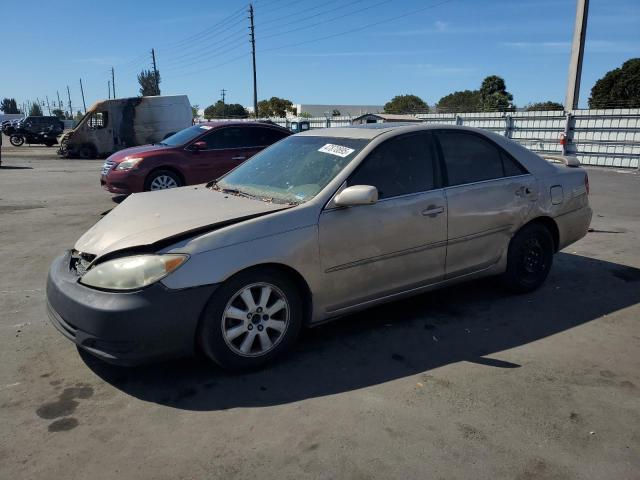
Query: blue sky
(443, 47)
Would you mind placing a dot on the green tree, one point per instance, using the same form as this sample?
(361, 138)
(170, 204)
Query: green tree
(305, 115)
(35, 110)
(78, 116)
(194, 111)
(275, 107)
(335, 113)
(464, 101)
(619, 88)
(225, 110)
(544, 106)
(494, 96)
(149, 85)
(9, 105)
(406, 104)
(58, 113)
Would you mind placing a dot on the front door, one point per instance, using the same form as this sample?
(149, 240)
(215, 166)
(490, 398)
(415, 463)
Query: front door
(399, 242)
(489, 195)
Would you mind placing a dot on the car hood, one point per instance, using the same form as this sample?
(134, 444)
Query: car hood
(144, 219)
(137, 151)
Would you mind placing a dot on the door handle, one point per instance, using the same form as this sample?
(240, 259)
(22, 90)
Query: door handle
(432, 211)
(238, 158)
(523, 191)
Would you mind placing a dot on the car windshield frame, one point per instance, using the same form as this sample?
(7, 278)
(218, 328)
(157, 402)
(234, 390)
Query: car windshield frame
(293, 170)
(185, 139)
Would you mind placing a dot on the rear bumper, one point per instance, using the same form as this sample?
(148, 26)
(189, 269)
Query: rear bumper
(127, 328)
(573, 226)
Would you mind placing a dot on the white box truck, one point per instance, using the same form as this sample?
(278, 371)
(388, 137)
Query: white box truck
(111, 125)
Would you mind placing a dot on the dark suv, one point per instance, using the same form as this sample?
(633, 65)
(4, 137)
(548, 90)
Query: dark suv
(194, 155)
(42, 124)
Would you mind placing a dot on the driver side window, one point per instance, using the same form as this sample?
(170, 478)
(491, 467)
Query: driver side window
(400, 166)
(98, 120)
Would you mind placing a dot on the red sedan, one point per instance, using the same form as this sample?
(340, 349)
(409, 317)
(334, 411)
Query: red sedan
(194, 155)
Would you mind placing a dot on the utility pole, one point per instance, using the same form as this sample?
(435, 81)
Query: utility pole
(109, 89)
(82, 92)
(48, 106)
(113, 82)
(155, 70)
(253, 55)
(59, 101)
(224, 109)
(577, 54)
(70, 107)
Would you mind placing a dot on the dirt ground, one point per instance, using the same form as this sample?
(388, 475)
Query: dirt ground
(468, 382)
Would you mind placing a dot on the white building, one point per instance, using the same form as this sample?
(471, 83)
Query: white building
(340, 110)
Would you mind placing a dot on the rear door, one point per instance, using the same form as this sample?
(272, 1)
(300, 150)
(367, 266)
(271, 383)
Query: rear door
(489, 195)
(398, 243)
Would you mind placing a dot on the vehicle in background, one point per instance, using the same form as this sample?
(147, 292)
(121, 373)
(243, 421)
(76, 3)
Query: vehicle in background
(194, 155)
(321, 224)
(36, 130)
(112, 125)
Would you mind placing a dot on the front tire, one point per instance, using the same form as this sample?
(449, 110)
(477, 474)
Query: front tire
(16, 140)
(252, 318)
(162, 180)
(529, 258)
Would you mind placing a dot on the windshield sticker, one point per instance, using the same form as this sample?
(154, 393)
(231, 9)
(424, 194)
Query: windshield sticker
(205, 127)
(337, 150)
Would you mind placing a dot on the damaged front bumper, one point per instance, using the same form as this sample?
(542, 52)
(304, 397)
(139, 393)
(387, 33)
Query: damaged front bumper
(124, 328)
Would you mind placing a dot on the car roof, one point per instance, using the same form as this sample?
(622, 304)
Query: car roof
(217, 124)
(371, 130)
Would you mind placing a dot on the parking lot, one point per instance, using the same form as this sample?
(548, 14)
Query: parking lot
(467, 382)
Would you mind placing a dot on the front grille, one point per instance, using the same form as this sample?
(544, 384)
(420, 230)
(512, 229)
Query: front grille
(80, 262)
(107, 166)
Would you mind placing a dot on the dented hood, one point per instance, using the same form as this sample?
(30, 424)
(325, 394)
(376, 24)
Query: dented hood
(147, 218)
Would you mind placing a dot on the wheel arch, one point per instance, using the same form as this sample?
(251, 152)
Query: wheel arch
(551, 225)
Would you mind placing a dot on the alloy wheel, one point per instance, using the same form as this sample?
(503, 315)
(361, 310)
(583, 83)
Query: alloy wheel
(162, 182)
(255, 319)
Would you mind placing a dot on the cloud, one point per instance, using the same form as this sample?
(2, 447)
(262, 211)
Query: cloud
(442, 27)
(594, 46)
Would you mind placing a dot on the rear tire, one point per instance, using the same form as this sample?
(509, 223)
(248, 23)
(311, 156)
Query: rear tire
(162, 180)
(529, 258)
(239, 336)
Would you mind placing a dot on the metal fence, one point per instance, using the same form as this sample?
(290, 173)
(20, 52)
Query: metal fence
(607, 138)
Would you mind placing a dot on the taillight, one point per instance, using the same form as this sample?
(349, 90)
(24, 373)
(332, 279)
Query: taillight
(586, 182)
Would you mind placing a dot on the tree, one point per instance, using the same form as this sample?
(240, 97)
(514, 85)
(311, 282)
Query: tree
(78, 116)
(465, 101)
(58, 113)
(35, 110)
(9, 105)
(335, 113)
(149, 85)
(619, 88)
(494, 95)
(194, 111)
(305, 115)
(406, 104)
(225, 110)
(542, 106)
(275, 107)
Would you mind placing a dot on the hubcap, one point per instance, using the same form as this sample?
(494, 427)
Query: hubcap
(255, 319)
(162, 182)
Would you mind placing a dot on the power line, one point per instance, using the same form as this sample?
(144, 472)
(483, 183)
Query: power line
(358, 29)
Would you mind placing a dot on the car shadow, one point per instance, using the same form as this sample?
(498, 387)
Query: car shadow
(10, 167)
(466, 322)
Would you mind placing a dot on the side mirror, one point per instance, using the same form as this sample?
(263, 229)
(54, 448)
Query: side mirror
(356, 195)
(201, 145)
